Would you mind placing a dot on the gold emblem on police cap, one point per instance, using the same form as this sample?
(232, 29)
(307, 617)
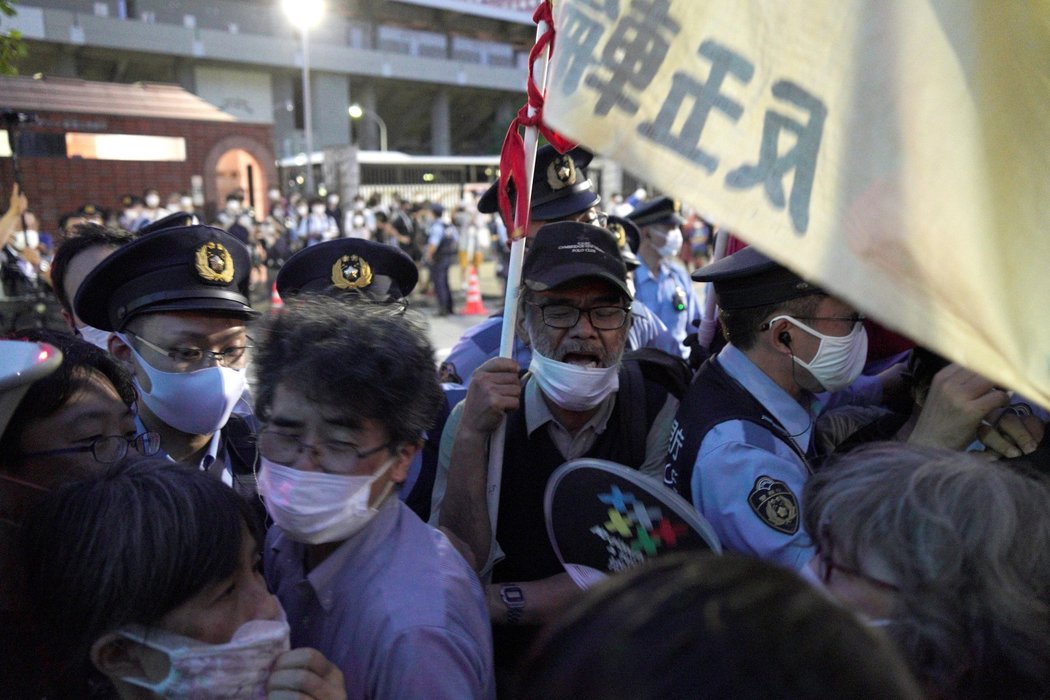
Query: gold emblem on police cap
(619, 232)
(561, 173)
(351, 272)
(214, 263)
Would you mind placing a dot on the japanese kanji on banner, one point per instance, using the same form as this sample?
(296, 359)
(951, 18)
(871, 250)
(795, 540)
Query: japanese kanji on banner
(895, 151)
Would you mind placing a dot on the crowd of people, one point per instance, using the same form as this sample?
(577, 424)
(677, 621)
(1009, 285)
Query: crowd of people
(204, 501)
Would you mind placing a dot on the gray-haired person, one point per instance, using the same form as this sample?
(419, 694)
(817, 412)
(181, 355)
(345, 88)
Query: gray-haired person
(951, 553)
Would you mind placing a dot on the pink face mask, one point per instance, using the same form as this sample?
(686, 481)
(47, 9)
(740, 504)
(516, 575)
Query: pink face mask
(237, 669)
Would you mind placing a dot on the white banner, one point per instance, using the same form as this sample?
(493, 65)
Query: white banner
(895, 151)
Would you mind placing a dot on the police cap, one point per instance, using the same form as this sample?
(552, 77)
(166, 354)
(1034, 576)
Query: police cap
(333, 267)
(747, 279)
(662, 211)
(560, 187)
(185, 268)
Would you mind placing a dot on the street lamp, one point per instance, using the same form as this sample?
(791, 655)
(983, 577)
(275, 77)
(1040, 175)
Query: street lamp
(356, 111)
(306, 14)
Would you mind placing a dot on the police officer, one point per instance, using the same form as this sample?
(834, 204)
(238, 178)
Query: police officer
(662, 282)
(742, 444)
(176, 301)
(442, 243)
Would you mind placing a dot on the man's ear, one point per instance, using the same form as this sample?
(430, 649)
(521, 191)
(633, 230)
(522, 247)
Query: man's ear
(119, 349)
(403, 461)
(778, 336)
(117, 657)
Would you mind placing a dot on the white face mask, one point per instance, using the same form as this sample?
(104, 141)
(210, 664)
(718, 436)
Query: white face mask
(672, 243)
(840, 358)
(96, 336)
(314, 507)
(196, 403)
(303, 210)
(317, 209)
(186, 203)
(333, 201)
(233, 206)
(572, 387)
(237, 669)
(152, 201)
(25, 239)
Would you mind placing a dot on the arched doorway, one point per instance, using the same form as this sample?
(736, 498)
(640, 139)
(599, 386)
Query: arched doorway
(238, 169)
(238, 162)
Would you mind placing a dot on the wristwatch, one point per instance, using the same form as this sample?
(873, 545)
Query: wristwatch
(514, 598)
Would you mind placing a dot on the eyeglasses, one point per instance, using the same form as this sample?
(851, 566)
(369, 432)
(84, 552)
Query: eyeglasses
(232, 357)
(826, 559)
(110, 448)
(604, 318)
(852, 319)
(334, 456)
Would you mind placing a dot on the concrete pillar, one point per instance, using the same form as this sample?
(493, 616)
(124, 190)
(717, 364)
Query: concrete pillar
(185, 75)
(440, 125)
(286, 137)
(367, 127)
(65, 65)
(330, 97)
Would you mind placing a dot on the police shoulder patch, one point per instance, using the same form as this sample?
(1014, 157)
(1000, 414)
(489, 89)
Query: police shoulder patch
(774, 504)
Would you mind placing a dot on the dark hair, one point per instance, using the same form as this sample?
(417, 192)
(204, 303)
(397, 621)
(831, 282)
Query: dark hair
(742, 326)
(704, 626)
(83, 237)
(128, 545)
(80, 360)
(365, 360)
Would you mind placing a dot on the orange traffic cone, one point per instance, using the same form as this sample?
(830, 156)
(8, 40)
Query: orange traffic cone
(474, 306)
(275, 299)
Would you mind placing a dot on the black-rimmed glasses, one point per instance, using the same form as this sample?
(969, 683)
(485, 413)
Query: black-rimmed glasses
(109, 448)
(604, 318)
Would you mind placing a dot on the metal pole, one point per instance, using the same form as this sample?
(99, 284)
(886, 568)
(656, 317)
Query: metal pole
(308, 113)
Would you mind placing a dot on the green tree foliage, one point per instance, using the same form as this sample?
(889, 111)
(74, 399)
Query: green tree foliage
(12, 47)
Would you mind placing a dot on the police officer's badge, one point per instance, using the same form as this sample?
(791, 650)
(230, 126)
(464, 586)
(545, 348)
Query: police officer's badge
(214, 263)
(774, 504)
(619, 232)
(561, 173)
(351, 272)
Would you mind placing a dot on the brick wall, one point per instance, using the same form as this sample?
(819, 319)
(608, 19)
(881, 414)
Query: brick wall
(56, 186)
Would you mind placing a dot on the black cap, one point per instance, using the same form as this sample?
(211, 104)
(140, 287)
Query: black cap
(130, 200)
(566, 251)
(627, 237)
(661, 211)
(747, 279)
(343, 264)
(186, 268)
(560, 187)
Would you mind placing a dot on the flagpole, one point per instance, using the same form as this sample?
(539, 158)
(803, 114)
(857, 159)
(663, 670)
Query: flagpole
(538, 74)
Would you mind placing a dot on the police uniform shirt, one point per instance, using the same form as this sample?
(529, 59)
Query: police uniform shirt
(207, 463)
(736, 455)
(658, 292)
